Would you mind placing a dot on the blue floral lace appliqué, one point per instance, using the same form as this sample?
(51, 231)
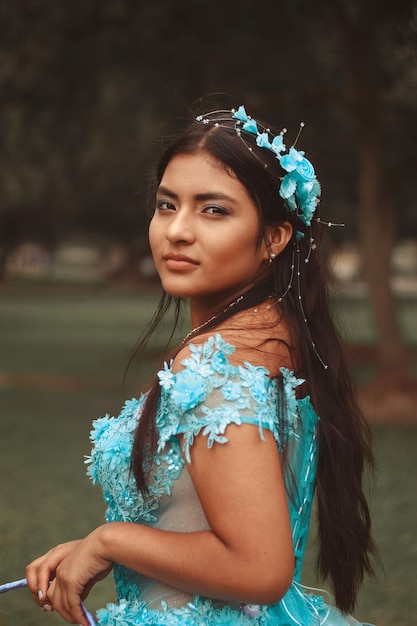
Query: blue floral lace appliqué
(109, 465)
(190, 406)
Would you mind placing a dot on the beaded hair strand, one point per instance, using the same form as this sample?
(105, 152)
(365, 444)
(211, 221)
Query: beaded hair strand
(299, 187)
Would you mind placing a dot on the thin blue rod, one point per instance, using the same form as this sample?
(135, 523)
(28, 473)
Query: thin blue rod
(18, 584)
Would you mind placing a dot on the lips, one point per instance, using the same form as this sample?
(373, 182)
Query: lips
(179, 261)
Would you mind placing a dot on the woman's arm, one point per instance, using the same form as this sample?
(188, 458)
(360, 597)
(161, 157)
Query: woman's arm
(247, 556)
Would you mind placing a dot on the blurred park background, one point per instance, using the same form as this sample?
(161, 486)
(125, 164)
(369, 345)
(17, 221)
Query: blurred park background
(89, 93)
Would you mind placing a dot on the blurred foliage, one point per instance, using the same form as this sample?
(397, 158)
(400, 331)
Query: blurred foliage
(89, 88)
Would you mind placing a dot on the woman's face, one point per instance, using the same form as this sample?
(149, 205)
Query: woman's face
(205, 231)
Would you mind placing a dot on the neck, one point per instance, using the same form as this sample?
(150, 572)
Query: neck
(202, 310)
(206, 316)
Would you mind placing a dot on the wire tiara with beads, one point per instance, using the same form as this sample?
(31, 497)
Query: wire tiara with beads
(299, 188)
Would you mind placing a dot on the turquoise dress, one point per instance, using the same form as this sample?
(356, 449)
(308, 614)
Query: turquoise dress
(203, 398)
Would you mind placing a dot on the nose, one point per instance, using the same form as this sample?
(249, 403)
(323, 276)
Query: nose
(180, 228)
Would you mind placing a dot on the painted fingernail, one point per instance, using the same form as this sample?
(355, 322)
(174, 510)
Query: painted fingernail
(47, 608)
(40, 594)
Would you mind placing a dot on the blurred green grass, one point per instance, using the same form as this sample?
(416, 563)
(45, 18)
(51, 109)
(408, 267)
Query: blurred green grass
(63, 354)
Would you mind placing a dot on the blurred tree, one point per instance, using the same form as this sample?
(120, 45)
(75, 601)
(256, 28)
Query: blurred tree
(85, 92)
(376, 59)
(74, 128)
(365, 78)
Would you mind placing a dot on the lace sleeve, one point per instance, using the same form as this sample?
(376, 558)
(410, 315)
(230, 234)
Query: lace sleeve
(210, 393)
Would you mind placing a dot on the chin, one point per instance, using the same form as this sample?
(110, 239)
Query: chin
(175, 292)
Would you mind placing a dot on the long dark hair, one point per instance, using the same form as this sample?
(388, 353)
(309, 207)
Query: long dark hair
(344, 537)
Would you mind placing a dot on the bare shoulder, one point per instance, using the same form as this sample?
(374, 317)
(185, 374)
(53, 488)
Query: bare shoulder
(259, 336)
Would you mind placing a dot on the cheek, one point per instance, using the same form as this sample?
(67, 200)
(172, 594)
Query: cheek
(153, 235)
(237, 255)
(225, 252)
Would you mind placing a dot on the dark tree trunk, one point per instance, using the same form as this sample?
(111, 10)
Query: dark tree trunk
(392, 394)
(376, 213)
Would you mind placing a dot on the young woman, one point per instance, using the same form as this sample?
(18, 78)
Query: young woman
(209, 477)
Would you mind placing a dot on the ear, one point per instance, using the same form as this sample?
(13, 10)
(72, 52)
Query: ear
(277, 238)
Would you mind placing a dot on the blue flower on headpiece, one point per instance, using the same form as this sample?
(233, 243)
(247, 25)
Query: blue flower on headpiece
(308, 191)
(288, 188)
(240, 114)
(308, 198)
(299, 187)
(302, 195)
(251, 127)
(277, 144)
(262, 141)
(295, 161)
(248, 123)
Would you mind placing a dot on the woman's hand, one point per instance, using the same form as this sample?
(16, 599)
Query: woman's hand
(43, 569)
(74, 568)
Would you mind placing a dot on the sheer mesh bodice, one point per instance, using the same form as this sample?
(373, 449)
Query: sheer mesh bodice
(203, 399)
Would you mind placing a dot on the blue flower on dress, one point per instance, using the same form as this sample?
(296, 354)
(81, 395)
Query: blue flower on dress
(166, 377)
(198, 361)
(222, 345)
(188, 390)
(232, 391)
(130, 407)
(256, 378)
(116, 452)
(290, 383)
(316, 601)
(122, 614)
(103, 616)
(217, 420)
(219, 362)
(290, 380)
(99, 426)
(252, 609)
(91, 470)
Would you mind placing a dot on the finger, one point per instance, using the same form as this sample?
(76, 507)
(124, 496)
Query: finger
(47, 600)
(78, 615)
(39, 573)
(47, 607)
(35, 587)
(32, 580)
(68, 605)
(44, 580)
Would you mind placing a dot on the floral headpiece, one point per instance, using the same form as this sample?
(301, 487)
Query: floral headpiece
(299, 187)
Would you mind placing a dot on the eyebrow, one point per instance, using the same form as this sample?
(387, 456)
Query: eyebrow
(209, 195)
